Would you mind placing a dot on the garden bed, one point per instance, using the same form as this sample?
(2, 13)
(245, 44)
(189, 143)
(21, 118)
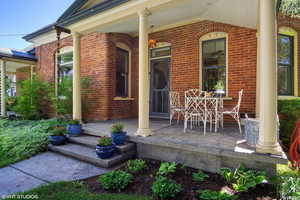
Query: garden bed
(143, 181)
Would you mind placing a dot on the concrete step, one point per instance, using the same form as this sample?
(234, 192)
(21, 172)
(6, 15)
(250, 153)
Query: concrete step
(93, 132)
(92, 141)
(88, 154)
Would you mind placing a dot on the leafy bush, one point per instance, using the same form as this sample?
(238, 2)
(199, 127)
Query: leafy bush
(242, 179)
(166, 168)
(30, 100)
(199, 176)
(213, 195)
(115, 180)
(289, 111)
(117, 128)
(290, 187)
(288, 182)
(62, 101)
(105, 141)
(165, 188)
(21, 139)
(135, 166)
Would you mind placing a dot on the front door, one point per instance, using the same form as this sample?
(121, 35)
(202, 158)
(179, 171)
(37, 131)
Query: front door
(160, 84)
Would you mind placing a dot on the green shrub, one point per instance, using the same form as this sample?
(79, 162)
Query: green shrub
(33, 93)
(105, 141)
(115, 180)
(62, 101)
(289, 111)
(166, 168)
(135, 166)
(117, 128)
(165, 188)
(288, 182)
(21, 139)
(213, 195)
(242, 179)
(199, 176)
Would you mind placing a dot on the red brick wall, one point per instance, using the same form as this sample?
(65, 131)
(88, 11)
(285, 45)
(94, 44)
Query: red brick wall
(98, 62)
(21, 75)
(293, 23)
(241, 59)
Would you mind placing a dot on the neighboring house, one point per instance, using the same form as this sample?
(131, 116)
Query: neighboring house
(135, 52)
(15, 65)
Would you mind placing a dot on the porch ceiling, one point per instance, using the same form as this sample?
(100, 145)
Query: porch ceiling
(13, 66)
(236, 12)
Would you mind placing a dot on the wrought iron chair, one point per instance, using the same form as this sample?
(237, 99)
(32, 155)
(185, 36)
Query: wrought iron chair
(233, 112)
(175, 106)
(195, 108)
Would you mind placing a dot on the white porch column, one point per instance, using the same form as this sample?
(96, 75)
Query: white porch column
(3, 89)
(76, 77)
(268, 141)
(143, 125)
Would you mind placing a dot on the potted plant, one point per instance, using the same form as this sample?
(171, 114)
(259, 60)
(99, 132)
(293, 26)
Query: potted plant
(105, 148)
(117, 134)
(74, 128)
(219, 87)
(57, 136)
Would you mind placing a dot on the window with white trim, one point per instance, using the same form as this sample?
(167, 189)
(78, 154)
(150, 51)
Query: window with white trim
(214, 65)
(64, 70)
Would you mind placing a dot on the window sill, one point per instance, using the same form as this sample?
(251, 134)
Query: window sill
(123, 99)
(287, 97)
(227, 98)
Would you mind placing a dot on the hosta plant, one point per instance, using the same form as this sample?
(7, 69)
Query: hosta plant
(199, 176)
(135, 166)
(115, 180)
(166, 168)
(165, 188)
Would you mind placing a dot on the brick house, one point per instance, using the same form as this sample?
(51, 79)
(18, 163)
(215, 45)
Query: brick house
(135, 52)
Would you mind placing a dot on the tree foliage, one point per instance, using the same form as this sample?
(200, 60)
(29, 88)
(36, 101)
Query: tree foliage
(289, 8)
(32, 94)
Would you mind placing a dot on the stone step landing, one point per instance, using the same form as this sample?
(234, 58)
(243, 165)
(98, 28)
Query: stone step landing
(83, 148)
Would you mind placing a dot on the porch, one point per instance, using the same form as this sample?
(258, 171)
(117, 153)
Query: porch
(225, 148)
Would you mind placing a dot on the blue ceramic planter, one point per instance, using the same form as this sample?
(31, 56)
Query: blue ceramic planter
(119, 138)
(74, 130)
(105, 152)
(57, 140)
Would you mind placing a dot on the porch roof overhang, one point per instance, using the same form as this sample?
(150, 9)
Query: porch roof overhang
(16, 59)
(124, 18)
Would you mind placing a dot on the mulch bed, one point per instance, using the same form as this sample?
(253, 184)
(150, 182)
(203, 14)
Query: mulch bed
(143, 182)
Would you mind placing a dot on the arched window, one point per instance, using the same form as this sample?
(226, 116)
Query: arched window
(64, 67)
(287, 62)
(213, 62)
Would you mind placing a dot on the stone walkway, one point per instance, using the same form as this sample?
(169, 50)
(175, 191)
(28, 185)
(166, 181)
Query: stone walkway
(43, 169)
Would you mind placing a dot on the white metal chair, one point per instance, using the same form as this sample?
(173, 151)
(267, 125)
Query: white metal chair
(175, 106)
(195, 107)
(233, 112)
(212, 109)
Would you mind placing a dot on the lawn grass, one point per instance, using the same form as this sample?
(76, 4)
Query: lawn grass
(74, 191)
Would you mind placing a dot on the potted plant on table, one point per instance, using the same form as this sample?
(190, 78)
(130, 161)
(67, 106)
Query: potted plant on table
(219, 88)
(117, 134)
(58, 136)
(74, 128)
(105, 148)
